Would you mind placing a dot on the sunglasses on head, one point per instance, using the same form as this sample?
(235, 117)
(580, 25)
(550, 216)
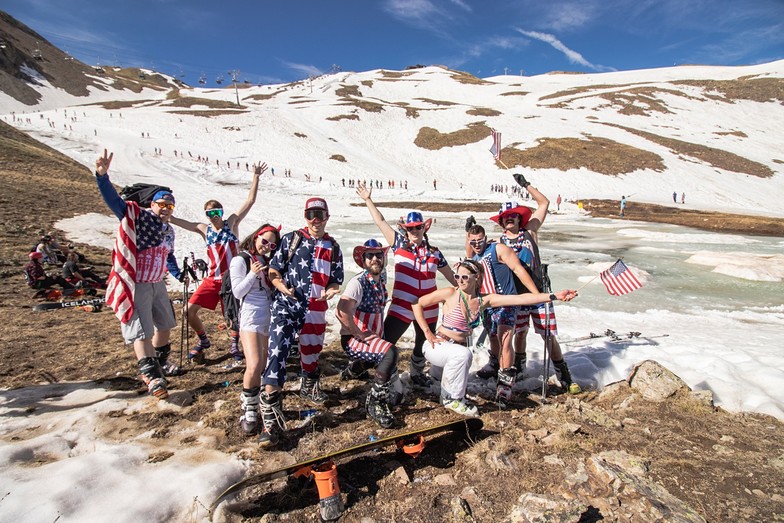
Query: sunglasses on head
(316, 214)
(477, 243)
(211, 213)
(462, 277)
(270, 245)
(371, 255)
(165, 205)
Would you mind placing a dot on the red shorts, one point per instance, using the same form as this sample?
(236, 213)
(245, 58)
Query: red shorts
(538, 314)
(208, 294)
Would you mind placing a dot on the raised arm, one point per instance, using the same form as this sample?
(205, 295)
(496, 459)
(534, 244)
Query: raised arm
(378, 218)
(189, 226)
(109, 194)
(542, 204)
(235, 219)
(512, 300)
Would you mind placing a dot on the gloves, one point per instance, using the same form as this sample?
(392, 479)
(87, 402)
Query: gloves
(470, 222)
(521, 181)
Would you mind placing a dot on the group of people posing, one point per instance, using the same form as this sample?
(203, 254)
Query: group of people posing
(284, 283)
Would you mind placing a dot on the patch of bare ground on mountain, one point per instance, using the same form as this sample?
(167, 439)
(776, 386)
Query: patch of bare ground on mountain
(433, 139)
(467, 78)
(207, 113)
(395, 74)
(121, 104)
(705, 220)
(597, 154)
(338, 157)
(483, 111)
(190, 101)
(343, 117)
(744, 88)
(566, 93)
(739, 134)
(297, 102)
(262, 97)
(436, 102)
(515, 93)
(714, 157)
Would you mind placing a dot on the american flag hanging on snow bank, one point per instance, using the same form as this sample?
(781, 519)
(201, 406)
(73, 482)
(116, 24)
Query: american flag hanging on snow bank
(496, 148)
(619, 280)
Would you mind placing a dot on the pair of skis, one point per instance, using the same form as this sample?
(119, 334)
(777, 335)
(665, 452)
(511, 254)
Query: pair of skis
(613, 337)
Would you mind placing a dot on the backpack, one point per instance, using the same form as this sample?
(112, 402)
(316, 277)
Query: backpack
(141, 193)
(231, 305)
(535, 268)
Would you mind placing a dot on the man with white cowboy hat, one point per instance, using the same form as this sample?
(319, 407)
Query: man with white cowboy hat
(361, 315)
(416, 263)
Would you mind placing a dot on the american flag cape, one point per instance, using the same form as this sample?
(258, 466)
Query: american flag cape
(619, 280)
(121, 283)
(495, 149)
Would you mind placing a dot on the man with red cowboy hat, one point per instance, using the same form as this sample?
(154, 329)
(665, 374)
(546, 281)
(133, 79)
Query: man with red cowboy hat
(416, 263)
(307, 270)
(361, 315)
(520, 226)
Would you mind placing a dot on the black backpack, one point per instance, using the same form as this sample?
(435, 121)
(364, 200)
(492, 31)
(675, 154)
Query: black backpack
(231, 305)
(141, 193)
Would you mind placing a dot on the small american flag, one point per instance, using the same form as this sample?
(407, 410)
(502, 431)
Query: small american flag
(619, 280)
(496, 148)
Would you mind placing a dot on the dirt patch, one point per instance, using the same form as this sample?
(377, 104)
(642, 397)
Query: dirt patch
(338, 157)
(436, 102)
(343, 117)
(121, 104)
(515, 93)
(600, 155)
(262, 97)
(190, 101)
(206, 113)
(715, 157)
(300, 135)
(483, 111)
(468, 79)
(739, 134)
(433, 139)
(744, 88)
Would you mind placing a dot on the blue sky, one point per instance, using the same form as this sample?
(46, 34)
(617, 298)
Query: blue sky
(272, 42)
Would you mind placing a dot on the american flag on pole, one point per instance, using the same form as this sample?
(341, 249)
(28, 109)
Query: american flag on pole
(619, 280)
(496, 148)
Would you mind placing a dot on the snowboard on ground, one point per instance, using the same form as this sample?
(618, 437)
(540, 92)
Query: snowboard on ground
(56, 294)
(87, 304)
(406, 441)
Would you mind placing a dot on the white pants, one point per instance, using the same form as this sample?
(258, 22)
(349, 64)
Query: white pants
(455, 360)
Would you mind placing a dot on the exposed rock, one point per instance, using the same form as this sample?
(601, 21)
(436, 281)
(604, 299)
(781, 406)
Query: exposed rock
(654, 381)
(461, 509)
(445, 479)
(703, 396)
(536, 508)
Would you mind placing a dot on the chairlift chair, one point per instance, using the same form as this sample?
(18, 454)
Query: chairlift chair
(202, 79)
(219, 80)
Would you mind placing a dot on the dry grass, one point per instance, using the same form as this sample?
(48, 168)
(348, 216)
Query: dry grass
(483, 111)
(740, 134)
(436, 102)
(515, 93)
(468, 79)
(744, 88)
(714, 157)
(300, 135)
(338, 157)
(371, 107)
(190, 101)
(347, 91)
(367, 83)
(262, 97)
(297, 102)
(596, 154)
(433, 139)
(343, 117)
(394, 74)
(121, 104)
(207, 113)
(567, 93)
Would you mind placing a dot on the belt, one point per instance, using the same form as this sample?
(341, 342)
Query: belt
(450, 340)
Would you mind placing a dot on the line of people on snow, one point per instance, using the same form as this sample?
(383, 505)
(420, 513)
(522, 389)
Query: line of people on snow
(284, 283)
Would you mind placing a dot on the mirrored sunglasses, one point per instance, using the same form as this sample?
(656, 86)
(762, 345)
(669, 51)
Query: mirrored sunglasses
(477, 243)
(211, 213)
(165, 205)
(316, 214)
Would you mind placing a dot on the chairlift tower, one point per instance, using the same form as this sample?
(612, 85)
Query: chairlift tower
(235, 73)
(37, 53)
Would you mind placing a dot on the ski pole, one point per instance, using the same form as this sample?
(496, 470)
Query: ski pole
(546, 362)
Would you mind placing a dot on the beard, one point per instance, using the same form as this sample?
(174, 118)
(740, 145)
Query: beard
(375, 269)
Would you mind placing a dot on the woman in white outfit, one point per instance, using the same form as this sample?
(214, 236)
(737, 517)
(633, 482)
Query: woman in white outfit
(449, 347)
(251, 286)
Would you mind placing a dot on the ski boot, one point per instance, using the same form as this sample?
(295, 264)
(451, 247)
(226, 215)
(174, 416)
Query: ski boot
(520, 363)
(249, 421)
(152, 374)
(565, 377)
(272, 420)
(169, 368)
(293, 356)
(396, 390)
(461, 406)
(419, 378)
(310, 389)
(355, 370)
(490, 369)
(503, 390)
(377, 405)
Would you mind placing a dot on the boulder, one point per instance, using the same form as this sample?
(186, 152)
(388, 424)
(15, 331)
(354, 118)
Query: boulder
(654, 382)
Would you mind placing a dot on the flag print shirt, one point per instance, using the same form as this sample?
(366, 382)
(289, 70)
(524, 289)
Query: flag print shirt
(371, 297)
(222, 246)
(415, 276)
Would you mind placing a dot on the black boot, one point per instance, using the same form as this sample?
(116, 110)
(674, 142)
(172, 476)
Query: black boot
(355, 370)
(506, 380)
(152, 374)
(377, 405)
(249, 421)
(490, 369)
(169, 368)
(565, 377)
(419, 378)
(272, 420)
(310, 389)
(520, 363)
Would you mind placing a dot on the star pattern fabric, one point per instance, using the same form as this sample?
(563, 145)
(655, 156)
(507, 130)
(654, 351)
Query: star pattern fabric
(369, 316)
(222, 246)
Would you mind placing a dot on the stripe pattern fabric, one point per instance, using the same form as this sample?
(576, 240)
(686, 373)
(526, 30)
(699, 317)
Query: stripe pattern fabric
(415, 276)
(619, 280)
(121, 283)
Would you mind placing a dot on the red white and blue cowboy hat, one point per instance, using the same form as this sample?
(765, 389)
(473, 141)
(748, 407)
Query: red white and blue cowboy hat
(513, 207)
(370, 245)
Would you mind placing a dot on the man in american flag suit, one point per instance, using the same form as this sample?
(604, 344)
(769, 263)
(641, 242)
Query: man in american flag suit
(361, 315)
(307, 270)
(143, 250)
(222, 239)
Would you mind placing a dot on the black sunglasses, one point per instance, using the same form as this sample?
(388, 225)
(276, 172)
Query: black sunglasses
(371, 255)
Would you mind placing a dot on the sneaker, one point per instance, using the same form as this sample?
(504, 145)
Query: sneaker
(354, 371)
(196, 356)
(272, 420)
(310, 390)
(249, 421)
(377, 405)
(490, 369)
(461, 406)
